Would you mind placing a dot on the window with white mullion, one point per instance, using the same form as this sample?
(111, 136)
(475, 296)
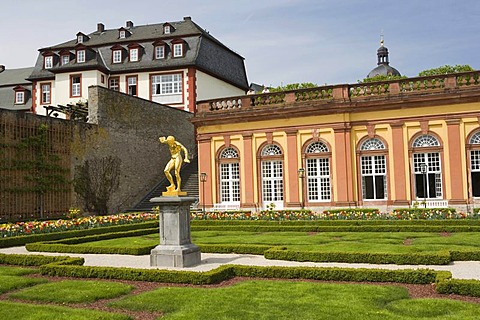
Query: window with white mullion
(117, 56)
(428, 185)
(373, 169)
(166, 84)
(475, 172)
(272, 181)
(318, 179)
(229, 182)
(159, 52)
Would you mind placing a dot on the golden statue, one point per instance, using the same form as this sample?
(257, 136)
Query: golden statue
(175, 163)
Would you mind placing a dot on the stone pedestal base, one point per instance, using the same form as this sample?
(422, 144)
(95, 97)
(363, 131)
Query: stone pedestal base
(176, 248)
(175, 256)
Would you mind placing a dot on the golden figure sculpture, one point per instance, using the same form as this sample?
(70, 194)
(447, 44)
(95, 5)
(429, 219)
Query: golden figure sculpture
(175, 163)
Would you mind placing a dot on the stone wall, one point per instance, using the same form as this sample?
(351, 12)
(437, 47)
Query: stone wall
(128, 127)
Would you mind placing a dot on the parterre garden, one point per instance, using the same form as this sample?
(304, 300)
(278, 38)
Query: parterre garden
(39, 287)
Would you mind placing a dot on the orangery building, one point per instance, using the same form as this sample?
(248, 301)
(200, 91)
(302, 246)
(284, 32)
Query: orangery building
(400, 143)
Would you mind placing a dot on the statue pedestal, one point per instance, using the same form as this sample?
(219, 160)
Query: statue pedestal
(176, 248)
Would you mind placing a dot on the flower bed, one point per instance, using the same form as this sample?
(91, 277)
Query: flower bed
(337, 214)
(36, 227)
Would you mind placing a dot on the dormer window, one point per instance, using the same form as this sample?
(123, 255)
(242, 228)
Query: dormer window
(65, 59)
(48, 62)
(117, 56)
(160, 52)
(81, 37)
(123, 33)
(133, 54)
(178, 50)
(81, 56)
(19, 95)
(168, 28)
(159, 49)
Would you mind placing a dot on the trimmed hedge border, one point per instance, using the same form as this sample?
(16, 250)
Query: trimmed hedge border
(451, 222)
(457, 286)
(73, 267)
(23, 240)
(38, 260)
(348, 228)
(420, 276)
(66, 245)
(439, 258)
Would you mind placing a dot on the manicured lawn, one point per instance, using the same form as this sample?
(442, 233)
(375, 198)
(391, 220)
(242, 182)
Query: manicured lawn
(259, 299)
(23, 311)
(381, 242)
(72, 291)
(11, 278)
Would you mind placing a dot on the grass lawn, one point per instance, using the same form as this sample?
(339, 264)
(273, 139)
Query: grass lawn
(379, 242)
(261, 299)
(16, 311)
(11, 278)
(73, 291)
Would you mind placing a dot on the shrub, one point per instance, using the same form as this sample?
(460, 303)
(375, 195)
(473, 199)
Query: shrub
(462, 287)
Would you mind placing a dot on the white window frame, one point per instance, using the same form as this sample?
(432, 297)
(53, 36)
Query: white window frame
(76, 87)
(48, 62)
(114, 83)
(272, 182)
(475, 164)
(177, 50)
(373, 166)
(65, 59)
(81, 56)
(133, 53)
(122, 34)
(80, 38)
(117, 56)
(434, 172)
(318, 172)
(160, 52)
(229, 170)
(167, 29)
(131, 84)
(45, 94)
(19, 97)
(166, 84)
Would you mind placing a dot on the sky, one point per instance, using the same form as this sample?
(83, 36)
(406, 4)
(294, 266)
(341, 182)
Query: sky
(282, 41)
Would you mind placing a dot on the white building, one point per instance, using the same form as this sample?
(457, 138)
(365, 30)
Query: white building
(173, 63)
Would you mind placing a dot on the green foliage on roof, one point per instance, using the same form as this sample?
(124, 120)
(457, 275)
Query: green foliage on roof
(445, 69)
(294, 86)
(381, 77)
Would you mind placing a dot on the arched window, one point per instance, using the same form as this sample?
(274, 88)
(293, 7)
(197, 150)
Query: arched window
(229, 176)
(427, 167)
(373, 168)
(272, 175)
(475, 163)
(318, 172)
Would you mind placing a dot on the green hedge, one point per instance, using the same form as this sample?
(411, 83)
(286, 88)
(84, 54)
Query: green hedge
(240, 248)
(465, 255)
(67, 245)
(23, 240)
(37, 260)
(462, 287)
(439, 258)
(348, 228)
(421, 276)
(452, 222)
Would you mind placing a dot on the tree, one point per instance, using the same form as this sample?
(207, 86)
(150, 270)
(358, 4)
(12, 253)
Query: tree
(95, 181)
(445, 69)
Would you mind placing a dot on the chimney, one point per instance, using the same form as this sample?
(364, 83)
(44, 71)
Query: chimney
(100, 27)
(2, 68)
(187, 18)
(129, 24)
